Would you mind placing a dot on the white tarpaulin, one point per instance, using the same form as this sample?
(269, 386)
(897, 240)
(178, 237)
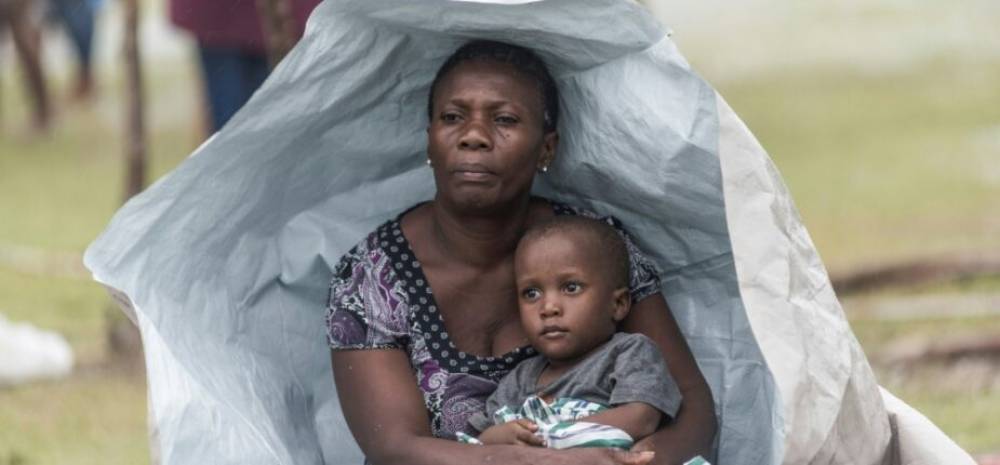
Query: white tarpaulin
(226, 261)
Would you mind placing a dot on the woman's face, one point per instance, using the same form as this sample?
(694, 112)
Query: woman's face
(486, 137)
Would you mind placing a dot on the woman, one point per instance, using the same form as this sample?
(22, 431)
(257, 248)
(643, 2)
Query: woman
(433, 292)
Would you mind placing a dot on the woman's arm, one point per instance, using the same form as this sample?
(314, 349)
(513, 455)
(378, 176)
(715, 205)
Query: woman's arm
(692, 433)
(386, 414)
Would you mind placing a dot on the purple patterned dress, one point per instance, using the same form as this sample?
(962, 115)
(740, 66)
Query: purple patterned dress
(380, 299)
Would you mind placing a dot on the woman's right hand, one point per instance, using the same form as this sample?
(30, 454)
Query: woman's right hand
(597, 456)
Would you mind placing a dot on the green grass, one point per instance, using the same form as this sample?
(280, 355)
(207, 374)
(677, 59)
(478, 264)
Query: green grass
(876, 335)
(881, 167)
(966, 411)
(885, 167)
(976, 284)
(75, 308)
(56, 195)
(96, 418)
(969, 418)
(63, 189)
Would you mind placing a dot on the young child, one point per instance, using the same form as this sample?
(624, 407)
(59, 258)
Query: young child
(572, 282)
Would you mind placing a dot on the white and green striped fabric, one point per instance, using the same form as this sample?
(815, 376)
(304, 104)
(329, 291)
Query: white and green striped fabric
(559, 424)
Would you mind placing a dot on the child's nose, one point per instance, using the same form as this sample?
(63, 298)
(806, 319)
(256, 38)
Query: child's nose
(551, 308)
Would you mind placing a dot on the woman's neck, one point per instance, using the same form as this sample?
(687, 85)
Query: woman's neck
(481, 240)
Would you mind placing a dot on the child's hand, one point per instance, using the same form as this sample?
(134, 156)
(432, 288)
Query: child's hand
(518, 432)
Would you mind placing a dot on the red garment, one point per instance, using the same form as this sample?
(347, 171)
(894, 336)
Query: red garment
(230, 23)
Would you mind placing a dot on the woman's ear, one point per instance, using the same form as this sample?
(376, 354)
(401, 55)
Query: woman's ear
(621, 304)
(549, 145)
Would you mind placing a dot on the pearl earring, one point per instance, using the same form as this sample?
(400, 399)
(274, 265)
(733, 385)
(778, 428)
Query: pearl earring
(429, 162)
(545, 169)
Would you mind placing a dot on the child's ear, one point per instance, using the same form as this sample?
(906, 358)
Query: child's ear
(621, 304)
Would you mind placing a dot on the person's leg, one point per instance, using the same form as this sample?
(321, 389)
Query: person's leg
(223, 75)
(18, 19)
(255, 71)
(78, 18)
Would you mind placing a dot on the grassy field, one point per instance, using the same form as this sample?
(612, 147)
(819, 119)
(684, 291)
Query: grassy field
(889, 167)
(882, 167)
(60, 192)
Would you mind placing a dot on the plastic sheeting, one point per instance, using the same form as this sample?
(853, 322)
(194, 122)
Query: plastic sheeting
(224, 263)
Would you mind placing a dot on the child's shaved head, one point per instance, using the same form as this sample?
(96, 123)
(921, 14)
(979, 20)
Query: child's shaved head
(603, 244)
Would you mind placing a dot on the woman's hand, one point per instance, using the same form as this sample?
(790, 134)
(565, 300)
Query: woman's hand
(518, 433)
(596, 456)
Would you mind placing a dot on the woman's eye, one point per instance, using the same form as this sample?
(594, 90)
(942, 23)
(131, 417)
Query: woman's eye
(450, 117)
(572, 287)
(531, 294)
(506, 119)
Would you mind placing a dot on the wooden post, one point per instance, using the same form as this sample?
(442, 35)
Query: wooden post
(122, 335)
(278, 25)
(135, 124)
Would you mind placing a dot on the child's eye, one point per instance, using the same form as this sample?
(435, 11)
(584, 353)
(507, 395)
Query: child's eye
(531, 293)
(572, 287)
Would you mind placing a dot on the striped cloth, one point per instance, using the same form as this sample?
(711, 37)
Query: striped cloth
(559, 425)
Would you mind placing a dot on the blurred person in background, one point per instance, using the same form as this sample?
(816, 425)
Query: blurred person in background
(231, 48)
(22, 18)
(78, 17)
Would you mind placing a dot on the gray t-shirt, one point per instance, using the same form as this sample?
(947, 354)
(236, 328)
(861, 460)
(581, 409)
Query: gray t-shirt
(627, 368)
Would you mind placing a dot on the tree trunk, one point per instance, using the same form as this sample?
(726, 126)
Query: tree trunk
(278, 24)
(135, 125)
(123, 337)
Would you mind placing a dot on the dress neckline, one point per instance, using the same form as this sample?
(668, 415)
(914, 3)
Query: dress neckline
(429, 320)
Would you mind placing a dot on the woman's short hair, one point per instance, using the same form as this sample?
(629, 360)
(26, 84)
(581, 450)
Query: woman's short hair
(522, 59)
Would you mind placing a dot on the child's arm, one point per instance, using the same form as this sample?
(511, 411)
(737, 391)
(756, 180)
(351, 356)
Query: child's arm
(643, 393)
(638, 419)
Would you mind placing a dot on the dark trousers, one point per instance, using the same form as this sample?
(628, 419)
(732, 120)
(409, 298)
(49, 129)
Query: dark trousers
(231, 76)
(78, 18)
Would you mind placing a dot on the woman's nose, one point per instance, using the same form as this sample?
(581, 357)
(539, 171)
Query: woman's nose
(476, 137)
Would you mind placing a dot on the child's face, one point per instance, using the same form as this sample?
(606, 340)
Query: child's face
(568, 304)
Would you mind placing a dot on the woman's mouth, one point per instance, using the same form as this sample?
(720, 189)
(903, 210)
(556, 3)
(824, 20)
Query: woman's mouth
(472, 172)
